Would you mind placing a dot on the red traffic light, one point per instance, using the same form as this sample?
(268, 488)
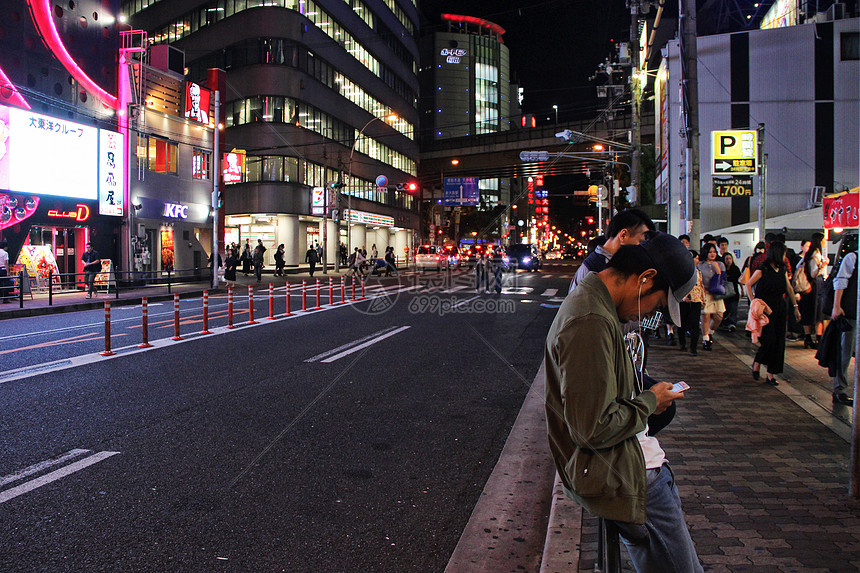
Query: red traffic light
(591, 220)
(412, 187)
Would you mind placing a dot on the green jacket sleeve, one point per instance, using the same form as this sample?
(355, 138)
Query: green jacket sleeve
(597, 385)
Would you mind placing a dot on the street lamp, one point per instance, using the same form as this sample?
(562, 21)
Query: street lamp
(555, 107)
(390, 117)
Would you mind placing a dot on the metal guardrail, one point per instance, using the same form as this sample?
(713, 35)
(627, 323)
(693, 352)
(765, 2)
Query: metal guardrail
(608, 547)
(17, 287)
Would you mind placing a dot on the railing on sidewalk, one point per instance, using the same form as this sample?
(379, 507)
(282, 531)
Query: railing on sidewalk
(16, 287)
(608, 547)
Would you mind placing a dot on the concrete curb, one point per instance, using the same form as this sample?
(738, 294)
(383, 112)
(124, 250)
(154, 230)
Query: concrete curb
(562, 549)
(507, 528)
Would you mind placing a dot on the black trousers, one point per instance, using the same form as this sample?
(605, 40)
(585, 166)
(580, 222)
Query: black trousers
(691, 316)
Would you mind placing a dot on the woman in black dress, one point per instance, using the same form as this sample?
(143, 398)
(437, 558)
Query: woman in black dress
(771, 284)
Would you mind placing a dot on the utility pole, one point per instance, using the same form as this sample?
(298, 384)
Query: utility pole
(762, 184)
(690, 91)
(636, 96)
(216, 177)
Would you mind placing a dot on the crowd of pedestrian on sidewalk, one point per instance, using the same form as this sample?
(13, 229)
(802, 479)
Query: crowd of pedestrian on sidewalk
(602, 414)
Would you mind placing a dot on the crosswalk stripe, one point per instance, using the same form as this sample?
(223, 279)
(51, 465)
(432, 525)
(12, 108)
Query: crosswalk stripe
(550, 292)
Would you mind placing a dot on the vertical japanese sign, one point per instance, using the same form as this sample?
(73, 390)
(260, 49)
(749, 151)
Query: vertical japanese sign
(111, 173)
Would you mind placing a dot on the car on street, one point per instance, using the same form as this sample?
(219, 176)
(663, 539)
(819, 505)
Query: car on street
(469, 254)
(453, 254)
(523, 256)
(431, 257)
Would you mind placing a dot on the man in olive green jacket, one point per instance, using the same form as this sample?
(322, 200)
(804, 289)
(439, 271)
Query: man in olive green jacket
(597, 413)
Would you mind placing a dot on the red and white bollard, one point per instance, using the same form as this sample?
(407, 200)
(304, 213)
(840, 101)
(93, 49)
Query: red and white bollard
(318, 293)
(251, 305)
(144, 323)
(271, 301)
(362, 287)
(352, 280)
(288, 300)
(107, 351)
(330, 291)
(176, 318)
(342, 289)
(304, 296)
(205, 313)
(230, 307)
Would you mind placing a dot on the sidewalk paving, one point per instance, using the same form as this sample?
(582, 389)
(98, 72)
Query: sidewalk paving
(763, 472)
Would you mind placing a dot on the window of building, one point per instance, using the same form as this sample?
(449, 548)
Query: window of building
(201, 162)
(159, 155)
(849, 46)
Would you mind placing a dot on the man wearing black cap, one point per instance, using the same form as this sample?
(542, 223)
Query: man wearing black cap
(597, 413)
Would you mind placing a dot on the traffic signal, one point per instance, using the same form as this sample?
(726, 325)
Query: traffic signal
(590, 220)
(410, 187)
(335, 185)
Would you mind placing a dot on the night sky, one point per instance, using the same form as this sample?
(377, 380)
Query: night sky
(555, 45)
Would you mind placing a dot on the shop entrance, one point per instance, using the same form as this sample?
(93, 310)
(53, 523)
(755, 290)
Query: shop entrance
(53, 249)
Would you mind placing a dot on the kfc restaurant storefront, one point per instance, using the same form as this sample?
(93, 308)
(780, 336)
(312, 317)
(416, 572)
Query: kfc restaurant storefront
(61, 186)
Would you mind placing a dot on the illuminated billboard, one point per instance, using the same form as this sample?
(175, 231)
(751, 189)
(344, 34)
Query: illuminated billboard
(43, 155)
(197, 102)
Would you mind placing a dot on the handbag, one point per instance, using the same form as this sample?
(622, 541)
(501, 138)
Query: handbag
(745, 277)
(801, 283)
(717, 286)
(731, 292)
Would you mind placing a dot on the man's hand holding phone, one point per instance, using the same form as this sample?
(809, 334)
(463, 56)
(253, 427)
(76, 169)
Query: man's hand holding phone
(667, 393)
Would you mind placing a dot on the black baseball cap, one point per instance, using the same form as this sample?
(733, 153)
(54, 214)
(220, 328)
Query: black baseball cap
(674, 265)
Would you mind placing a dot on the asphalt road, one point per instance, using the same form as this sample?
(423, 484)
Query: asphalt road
(354, 438)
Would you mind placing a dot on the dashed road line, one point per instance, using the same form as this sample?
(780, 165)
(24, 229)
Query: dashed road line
(352, 344)
(364, 345)
(42, 466)
(53, 476)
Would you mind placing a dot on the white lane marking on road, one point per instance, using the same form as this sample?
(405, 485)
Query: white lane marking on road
(518, 290)
(41, 466)
(86, 359)
(550, 292)
(29, 486)
(454, 289)
(365, 345)
(328, 353)
(464, 301)
(546, 276)
(556, 299)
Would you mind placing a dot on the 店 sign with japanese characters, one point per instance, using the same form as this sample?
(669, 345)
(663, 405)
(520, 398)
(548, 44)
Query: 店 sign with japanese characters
(841, 209)
(111, 173)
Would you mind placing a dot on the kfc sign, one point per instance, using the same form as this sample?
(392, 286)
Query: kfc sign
(197, 102)
(232, 170)
(175, 211)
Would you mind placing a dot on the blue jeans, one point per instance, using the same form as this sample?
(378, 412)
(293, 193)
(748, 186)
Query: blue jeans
(663, 543)
(840, 382)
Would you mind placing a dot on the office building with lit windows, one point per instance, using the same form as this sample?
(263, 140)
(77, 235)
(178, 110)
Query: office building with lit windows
(467, 95)
(313, 93)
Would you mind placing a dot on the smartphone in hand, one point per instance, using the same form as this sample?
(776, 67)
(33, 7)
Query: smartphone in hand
(680, 386)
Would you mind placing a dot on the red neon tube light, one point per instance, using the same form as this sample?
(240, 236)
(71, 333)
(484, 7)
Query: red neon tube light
(41, 12)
